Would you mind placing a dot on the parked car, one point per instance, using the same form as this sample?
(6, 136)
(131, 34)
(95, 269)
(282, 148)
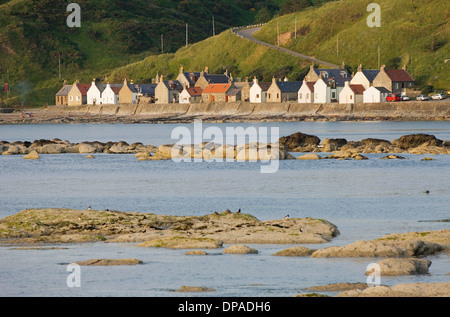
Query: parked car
(422, 98)
(405, 98)
(438, 96)
(393, 97)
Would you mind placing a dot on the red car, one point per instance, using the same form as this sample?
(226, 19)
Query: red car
(394, 97)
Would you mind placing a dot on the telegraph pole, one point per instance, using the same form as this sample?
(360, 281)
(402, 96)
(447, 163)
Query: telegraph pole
(162, 44)
(7, 79)
(214, 27)
(278, 34)
(379, 57)
(295, 27)
(187, 35)
(59, 66)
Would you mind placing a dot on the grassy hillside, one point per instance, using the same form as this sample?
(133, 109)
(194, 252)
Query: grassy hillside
(415, 33)
(223, 52)
(34, 38)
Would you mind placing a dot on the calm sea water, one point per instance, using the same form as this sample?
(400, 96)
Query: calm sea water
(365, 199)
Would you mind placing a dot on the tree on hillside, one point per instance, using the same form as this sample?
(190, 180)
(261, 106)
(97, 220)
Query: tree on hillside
(263, 16)
(290, 6)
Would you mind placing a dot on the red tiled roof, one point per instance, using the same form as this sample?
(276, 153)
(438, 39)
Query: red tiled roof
(194, 91)
(83, 88)
(217, 88)
(310, 86)
(116, 89)
(399, 75)
(357, 89)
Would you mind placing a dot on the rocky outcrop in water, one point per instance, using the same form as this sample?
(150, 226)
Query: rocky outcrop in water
(72, 226)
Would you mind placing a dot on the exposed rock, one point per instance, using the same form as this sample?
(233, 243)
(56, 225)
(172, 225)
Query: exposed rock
(299, 140)
(376, 248)
(85, 148)
(183, 243)
(338, 287)
(402, 266)
(347, 154)
(109, 262)
(393, 157)
(427, 159)
(295, 251)
(402, 290)
(90, 156)
(70, 226)
(33, 155)
(197, 252)
(330, 145)
(240, 249)
(309, 156)
(194, 289)
(407, 142)
(12, 150)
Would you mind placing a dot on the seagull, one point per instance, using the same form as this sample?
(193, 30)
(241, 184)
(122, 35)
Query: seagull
(427, 192)
(287, 217)
(89, 208)
(239, 211)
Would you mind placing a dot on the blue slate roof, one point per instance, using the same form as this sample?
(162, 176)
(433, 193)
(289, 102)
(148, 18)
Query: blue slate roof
(289, 86)
(340, 76)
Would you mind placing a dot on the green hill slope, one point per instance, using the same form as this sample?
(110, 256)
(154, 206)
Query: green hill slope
(415, 33)
(35, 39)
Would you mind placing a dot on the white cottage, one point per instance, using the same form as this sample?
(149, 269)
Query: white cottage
(321, 92)
(364, 77)
(94, 94)
(258, 91)
(111, 94)
(375, 94)
(351, 93)
(306, 92)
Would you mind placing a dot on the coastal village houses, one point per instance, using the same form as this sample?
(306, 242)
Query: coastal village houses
(258, 91)
(62, 96)
(216, 92)
(351, 93)
(319, 86)
(128, 94)
(306, 92)
(78, 94)
(364, 77)
(395, 80)
(167, 91)
(191, 95)
(375, 94)
(283, 91)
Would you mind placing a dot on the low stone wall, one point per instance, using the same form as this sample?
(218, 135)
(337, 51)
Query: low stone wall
(412, 109)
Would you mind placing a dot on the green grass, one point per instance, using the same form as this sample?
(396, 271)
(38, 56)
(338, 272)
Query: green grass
(225, 51)
(413, 33)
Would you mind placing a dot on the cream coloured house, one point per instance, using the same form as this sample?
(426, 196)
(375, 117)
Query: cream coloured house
(351, 93)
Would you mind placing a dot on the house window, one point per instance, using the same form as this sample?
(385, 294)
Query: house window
(278, 96)
(257, 96)
(307, 96)
(71, 98)
(301, 96)
(351, 97)
(78, 98)
(333, 95)
(269, 96)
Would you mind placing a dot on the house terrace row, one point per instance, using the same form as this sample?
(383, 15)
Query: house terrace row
(318, 86)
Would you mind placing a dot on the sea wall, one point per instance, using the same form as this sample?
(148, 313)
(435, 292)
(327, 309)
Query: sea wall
(429, 110)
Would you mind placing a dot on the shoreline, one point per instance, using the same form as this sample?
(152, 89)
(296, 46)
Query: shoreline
(230, 112)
